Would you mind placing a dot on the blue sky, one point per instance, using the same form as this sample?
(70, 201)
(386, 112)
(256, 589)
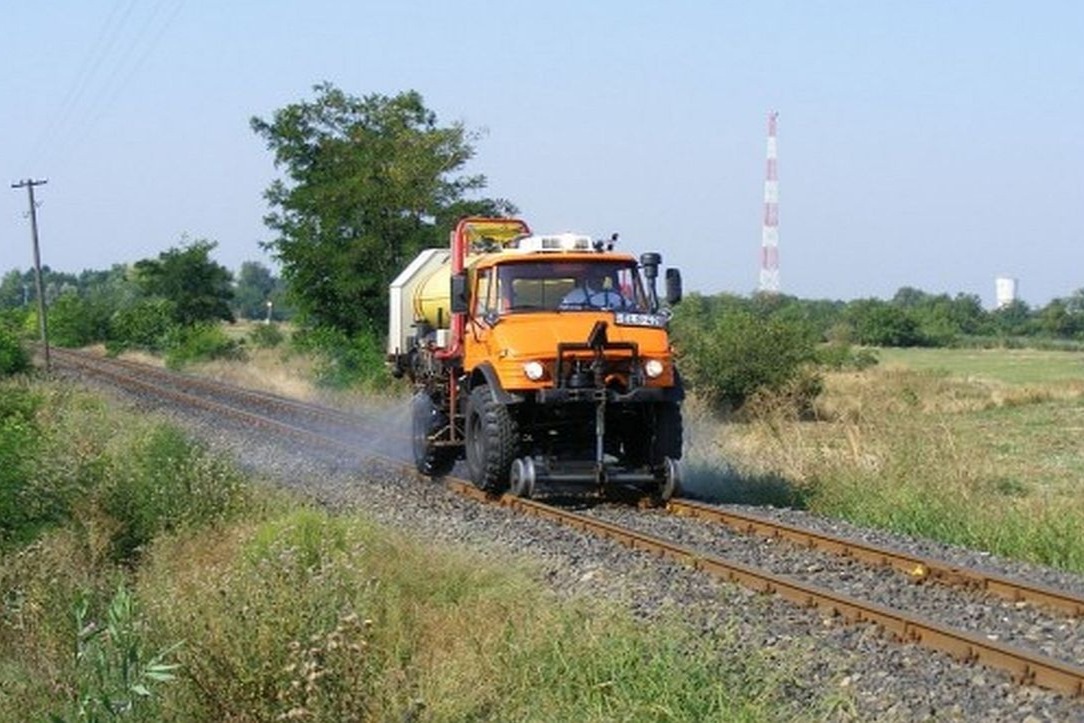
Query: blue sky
(926, 144)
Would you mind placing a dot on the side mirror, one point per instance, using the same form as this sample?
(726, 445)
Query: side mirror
(673, 286)
(650, 263)
(458, 291)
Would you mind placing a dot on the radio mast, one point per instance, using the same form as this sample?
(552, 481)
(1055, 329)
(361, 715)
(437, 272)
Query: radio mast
(769, 238)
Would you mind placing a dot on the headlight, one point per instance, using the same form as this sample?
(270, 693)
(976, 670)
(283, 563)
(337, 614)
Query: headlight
(653, 368)
(534, 370)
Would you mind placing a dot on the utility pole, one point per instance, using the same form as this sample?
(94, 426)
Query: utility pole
(29, 184)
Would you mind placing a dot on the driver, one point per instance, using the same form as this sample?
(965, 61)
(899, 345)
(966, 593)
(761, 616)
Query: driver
(597, 291)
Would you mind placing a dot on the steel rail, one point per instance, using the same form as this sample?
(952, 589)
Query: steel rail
(917, 567)
(217, 387)
(1026, 667)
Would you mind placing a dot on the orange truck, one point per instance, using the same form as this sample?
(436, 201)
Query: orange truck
(543, 360)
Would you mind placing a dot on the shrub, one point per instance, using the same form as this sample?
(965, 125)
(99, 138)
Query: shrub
(14, 359)
(728, 359)
(142, 325)
(345, 361)
(200, 342)
(266, 336)
(840, 355)
(165, 483)
(13, 320)
(18, 442)
(75, 321)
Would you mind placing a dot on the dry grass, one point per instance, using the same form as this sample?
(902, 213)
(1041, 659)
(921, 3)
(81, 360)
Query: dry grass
(270, 370)
(975, 461)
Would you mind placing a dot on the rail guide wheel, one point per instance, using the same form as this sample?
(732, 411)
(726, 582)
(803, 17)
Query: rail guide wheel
(670, 486)
(522, 478)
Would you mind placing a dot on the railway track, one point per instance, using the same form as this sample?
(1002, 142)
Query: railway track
(313, 424)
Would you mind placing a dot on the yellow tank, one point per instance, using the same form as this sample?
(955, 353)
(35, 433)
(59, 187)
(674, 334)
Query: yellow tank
(432, 298)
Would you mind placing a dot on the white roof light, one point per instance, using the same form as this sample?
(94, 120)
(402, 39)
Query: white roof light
(556, 242)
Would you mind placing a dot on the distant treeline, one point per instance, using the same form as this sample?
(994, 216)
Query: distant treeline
(911, 318)
(250, 289)
(83, 306)
(170, 304)
(732, 348)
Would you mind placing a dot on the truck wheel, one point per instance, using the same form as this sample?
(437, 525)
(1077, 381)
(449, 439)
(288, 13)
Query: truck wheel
(430, 459)
(668, 432)
(492, 440)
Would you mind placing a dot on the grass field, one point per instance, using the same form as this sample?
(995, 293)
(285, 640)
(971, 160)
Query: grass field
(979, 448)
(1010, 366)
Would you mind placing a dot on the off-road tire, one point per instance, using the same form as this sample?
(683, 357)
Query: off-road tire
(492, 438)
(429, 459)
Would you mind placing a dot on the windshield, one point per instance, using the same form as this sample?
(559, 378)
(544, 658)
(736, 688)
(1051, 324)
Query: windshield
(554, 285)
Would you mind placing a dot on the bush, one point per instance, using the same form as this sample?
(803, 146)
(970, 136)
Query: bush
(18, 443)
(75, 321)
(840, 355)
(114, 671)
(164, 483)
(201, 342)
(143, 325)
(345, 361)
(266, 336)
(736, 354)
(13, 357)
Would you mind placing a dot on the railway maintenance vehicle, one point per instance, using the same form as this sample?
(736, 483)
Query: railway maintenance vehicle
(543, 360)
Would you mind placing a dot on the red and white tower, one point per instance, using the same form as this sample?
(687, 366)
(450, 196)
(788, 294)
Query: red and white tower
(769, 238)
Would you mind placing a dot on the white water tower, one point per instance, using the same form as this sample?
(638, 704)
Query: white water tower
(1005, 290)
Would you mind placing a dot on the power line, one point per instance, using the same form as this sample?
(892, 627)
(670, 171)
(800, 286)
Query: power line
(98, 51)
(118, 63)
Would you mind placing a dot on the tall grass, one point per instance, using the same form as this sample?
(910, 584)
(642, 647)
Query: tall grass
(310, 617)
(922, 453)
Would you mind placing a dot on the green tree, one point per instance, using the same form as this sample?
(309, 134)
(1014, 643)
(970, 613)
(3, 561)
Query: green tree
(13, 293)
(1058, 319)
(879, 323)
(968, 315)
(198, 288)
(14, 359)
(256, 286)
(1013, 319)
(369, 182)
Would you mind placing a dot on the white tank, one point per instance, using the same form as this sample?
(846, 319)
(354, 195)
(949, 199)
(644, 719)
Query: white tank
(1005, 288)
